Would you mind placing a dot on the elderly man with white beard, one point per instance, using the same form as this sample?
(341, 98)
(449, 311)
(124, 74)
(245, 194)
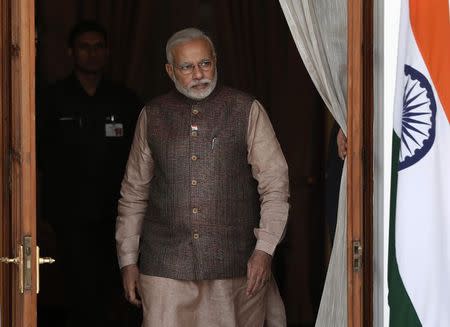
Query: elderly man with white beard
(204, 201)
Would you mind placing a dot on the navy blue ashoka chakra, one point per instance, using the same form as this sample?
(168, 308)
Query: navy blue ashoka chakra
(418, 118)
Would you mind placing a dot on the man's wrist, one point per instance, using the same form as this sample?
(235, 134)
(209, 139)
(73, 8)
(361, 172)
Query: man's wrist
(128, 259)
(128, 267)
(265, 246)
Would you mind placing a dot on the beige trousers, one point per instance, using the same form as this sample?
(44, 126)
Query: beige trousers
(212, 303)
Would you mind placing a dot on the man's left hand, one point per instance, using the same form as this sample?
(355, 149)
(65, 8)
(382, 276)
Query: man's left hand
(342, 144)
(258, 271)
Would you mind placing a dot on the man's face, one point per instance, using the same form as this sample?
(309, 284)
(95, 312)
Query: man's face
(89, 53)
(193, 69)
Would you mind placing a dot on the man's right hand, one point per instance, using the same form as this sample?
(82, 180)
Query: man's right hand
(342, 144)
(130, 280)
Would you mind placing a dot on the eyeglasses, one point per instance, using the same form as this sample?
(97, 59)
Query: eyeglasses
(186, 69)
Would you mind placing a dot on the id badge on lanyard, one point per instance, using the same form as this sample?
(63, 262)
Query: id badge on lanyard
(113, 128)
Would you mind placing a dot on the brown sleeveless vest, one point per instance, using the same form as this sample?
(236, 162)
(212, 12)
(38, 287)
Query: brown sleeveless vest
(203, 203)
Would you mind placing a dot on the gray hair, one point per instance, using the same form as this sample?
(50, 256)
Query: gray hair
(184, 36)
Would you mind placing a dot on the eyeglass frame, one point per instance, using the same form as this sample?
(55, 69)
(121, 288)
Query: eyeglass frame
(191, 66)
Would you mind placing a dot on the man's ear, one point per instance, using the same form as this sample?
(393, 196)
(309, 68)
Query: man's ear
(169, 70)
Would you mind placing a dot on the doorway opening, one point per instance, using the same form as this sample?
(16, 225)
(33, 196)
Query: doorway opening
(256, 54)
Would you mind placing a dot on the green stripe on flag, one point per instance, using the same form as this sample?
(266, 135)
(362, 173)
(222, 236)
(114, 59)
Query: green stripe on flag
(402, 312)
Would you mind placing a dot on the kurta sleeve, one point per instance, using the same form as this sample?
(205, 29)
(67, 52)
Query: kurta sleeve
(270, 169)
(134, 195)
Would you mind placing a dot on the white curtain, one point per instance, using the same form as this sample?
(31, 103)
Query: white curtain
(319, 29)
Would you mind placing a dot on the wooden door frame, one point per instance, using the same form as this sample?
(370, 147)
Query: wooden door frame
(18, 190)
(360, 161)
(23, 149)
(5, 226)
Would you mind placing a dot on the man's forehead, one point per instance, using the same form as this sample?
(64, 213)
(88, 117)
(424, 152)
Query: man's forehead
(192, 50)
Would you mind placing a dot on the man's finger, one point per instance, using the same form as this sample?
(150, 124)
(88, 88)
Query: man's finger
(258, 285)
(136, 302)
(131, 297)
(255, 284)
(138, 295)
(131, 293)
(251, 280)
(130, 279)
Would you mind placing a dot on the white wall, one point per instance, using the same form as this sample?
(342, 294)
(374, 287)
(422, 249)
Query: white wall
(386, 22)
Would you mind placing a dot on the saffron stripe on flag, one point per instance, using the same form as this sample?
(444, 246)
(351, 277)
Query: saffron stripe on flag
(430, 22)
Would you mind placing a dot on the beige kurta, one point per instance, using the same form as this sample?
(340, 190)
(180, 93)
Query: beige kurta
(202, 298)
(210, 303)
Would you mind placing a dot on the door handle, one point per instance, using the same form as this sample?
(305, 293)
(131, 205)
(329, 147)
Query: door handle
(19, 262)
(41, 261)
(26, 273)
(8, 260)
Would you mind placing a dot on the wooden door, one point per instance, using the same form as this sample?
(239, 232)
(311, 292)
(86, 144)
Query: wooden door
(18, 269)
(360, 166)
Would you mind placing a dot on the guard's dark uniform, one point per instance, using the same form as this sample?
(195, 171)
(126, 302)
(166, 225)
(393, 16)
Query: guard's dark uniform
(83, 145)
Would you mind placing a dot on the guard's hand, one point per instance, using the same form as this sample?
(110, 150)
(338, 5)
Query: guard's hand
(258, 271)
(342, 144)
(130, 280)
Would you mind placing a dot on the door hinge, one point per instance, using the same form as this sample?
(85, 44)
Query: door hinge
(357, 255)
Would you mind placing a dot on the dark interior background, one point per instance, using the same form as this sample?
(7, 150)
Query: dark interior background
(256, 53)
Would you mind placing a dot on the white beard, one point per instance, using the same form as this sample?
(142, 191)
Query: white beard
(194, 94)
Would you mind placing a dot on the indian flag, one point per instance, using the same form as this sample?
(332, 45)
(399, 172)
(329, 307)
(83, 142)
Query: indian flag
(419, 244)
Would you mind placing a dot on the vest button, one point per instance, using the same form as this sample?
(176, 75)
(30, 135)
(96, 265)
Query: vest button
(194, 157)
(194, 210)
(194, 133)
(196, 236)
(194, 182)
(195, 111)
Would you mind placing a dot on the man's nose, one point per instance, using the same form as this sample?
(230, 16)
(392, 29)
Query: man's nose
(197, 73)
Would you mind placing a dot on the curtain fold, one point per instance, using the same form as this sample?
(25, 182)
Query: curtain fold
(319, 28)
